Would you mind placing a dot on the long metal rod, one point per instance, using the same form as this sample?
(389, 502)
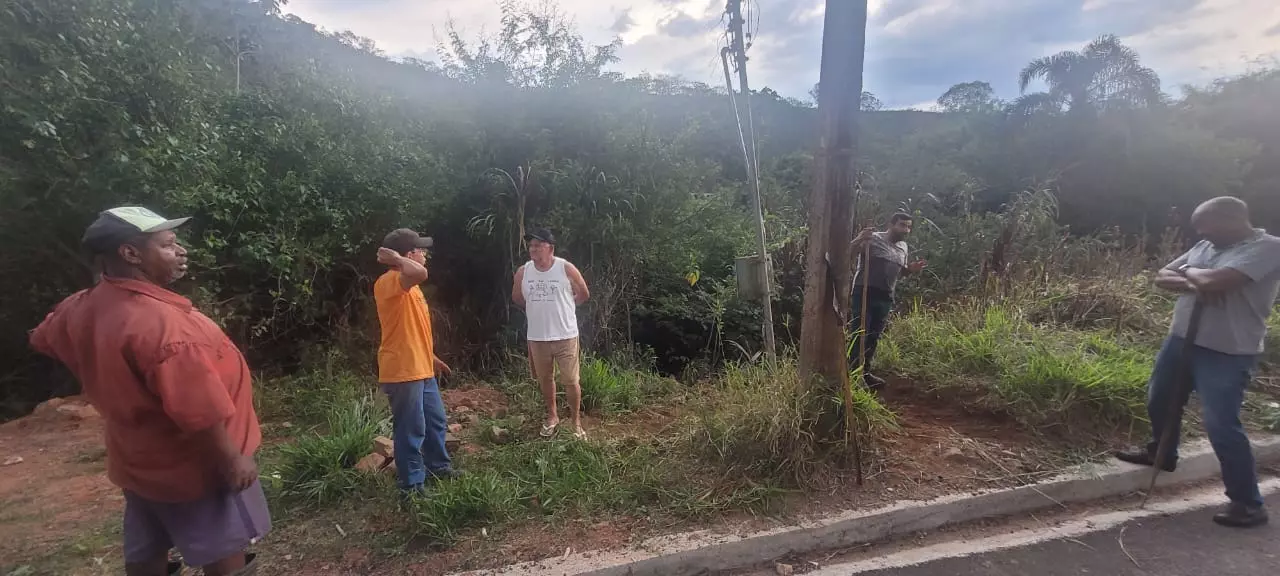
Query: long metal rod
(738, 47)
(1181, 393)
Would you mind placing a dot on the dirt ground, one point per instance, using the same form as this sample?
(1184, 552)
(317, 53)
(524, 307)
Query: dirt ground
(58, 496)
(60, 510)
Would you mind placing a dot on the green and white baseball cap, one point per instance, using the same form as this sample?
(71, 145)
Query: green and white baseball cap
(119, 225)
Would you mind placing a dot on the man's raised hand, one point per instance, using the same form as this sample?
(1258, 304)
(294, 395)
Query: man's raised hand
(388, 257)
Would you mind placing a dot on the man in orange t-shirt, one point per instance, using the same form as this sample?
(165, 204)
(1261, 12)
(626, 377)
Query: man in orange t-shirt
(407, 364)
(175, 397)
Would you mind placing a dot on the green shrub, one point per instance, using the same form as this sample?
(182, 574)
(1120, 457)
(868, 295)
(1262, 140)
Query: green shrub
(319, 469)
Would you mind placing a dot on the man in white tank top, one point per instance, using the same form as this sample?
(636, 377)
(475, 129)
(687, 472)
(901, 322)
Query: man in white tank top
(550, 289)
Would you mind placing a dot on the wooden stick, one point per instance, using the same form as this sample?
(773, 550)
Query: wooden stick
(850, 424)
(866, 283)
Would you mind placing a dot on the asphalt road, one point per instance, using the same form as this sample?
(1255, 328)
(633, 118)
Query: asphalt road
(1185, 544)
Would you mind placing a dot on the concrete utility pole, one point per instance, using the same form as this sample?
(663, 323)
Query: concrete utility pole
(822, 342)
(738, 47)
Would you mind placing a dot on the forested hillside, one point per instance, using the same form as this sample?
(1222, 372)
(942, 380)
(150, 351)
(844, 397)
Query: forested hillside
(296, 150)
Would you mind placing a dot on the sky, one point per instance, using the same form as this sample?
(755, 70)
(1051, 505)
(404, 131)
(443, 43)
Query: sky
(916, 49)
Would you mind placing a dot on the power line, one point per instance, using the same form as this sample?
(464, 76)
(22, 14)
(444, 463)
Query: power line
(751, 155)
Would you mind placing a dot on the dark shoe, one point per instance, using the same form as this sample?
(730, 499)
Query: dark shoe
(873, 382)
(1241, 516)
(1145, 458)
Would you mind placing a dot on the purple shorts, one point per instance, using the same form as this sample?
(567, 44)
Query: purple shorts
(204, 531)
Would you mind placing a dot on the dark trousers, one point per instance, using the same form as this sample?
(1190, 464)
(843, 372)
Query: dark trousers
(1220, 381)
(879, 304)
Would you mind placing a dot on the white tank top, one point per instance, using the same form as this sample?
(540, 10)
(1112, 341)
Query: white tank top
(549, 303)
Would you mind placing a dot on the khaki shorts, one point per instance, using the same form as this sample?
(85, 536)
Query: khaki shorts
(546, 356)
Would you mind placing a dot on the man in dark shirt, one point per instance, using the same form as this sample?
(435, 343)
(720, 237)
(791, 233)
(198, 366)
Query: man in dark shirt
(878, 277)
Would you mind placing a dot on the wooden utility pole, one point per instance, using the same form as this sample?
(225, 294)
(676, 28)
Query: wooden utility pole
(822, 342)
(738, 46)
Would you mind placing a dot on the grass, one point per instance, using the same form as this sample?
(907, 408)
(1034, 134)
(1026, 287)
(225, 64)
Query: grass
(568, 478)
(508, 482)
(613, 388)
(317, 469)
(766, 424)
(1038, 373)
(306, 399)
(96, 548)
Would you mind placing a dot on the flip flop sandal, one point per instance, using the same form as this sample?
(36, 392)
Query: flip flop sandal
(548, 431)
(580, 434)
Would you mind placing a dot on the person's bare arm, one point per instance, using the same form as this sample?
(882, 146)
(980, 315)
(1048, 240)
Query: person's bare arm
(580, 291)
(860, 241)
(238, 470)
(1173, 281)
(517, 287)
(442, 369)
(1216, 280)
(411, 273)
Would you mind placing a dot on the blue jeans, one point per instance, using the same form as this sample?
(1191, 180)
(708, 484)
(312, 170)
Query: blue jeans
(1220, 380)
(418, 431)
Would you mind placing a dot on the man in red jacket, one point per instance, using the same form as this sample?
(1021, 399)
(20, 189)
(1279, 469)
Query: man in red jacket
(175, 396)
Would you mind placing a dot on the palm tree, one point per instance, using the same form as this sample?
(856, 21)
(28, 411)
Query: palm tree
(1106, 74)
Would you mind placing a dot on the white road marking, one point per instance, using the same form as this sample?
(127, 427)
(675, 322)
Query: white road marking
(1069, 529)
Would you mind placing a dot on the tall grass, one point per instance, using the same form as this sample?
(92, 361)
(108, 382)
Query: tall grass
(765, 424)
(612, 388)
(307, 399)
(1037, 373)
(318, 469)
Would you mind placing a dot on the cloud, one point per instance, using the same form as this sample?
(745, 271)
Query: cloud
(623, 23)
(916, 49)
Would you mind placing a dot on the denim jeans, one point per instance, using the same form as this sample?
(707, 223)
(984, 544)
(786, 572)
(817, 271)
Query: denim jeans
(879, 305)
(1220, 380)
(418, 431)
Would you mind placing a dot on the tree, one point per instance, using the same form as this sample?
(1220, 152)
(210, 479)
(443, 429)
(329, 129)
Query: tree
(968, 98)
(869, 101)
(1105, 74)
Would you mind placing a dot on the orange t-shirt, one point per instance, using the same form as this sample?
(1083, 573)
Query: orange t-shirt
(406, 354)
(159, 372)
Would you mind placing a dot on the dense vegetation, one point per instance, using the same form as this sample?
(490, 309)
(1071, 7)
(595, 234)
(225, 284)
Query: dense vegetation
(296, 149)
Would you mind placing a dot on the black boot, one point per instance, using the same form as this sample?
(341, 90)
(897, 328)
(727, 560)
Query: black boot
(1241, 516)
(1145, 458)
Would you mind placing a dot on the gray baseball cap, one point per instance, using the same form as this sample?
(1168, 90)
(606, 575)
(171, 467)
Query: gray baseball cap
(119, 225)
